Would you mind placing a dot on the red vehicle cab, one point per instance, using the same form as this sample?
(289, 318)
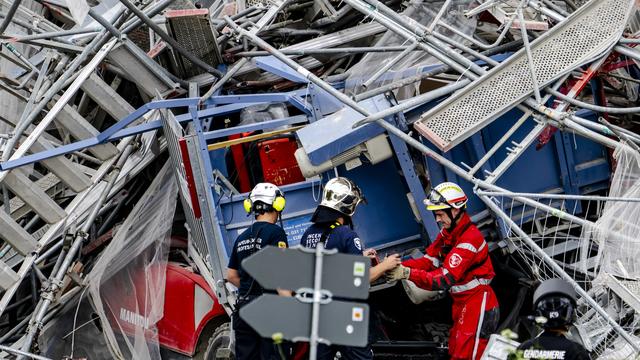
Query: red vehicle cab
(189, 306)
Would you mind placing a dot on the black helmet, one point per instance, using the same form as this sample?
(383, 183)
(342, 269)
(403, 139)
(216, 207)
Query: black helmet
(555, 301)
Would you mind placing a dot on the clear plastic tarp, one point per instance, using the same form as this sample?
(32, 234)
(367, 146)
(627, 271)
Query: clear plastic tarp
(619, 224)
(422, 12)
(126, 285)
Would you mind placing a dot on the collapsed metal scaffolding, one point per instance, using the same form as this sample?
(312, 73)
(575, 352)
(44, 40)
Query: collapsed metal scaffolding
(81, 86)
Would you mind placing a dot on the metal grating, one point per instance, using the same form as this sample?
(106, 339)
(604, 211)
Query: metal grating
(589, 32)
(192, 29)
(259, 3)
(633, 286)
(173, 133)
(140, 37)
(627, 290)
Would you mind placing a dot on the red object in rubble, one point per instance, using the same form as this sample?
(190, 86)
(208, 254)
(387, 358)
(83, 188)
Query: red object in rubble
(241, 164)
(279, 165)
(189, 304)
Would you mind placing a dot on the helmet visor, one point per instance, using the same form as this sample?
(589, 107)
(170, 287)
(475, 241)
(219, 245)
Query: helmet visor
(436, 199)
(342, 195)
(558, 310)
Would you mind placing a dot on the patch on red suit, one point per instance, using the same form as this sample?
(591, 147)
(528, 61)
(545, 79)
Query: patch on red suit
(455, 260)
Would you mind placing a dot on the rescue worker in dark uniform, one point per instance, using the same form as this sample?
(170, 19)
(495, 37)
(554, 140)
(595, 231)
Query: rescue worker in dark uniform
(332, 225)
(555, 303)
(458, 262)
(266, 202)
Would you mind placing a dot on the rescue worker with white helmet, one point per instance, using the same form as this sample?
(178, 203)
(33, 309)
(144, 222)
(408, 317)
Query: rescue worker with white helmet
(458, 262)
(265, 202)
(554, 302)
(333, 226)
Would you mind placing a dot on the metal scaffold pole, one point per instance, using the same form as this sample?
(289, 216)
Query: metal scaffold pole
(419, 146)
(94, 94)
(55, 282)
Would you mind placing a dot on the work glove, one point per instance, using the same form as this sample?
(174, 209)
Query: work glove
(398, 273)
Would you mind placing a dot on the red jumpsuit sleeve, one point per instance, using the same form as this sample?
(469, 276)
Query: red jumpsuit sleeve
(454, 268)
(430, 259)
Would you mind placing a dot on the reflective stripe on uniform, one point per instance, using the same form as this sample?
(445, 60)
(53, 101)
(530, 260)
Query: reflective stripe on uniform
(434, 261)
(472, 248)
(470, 285)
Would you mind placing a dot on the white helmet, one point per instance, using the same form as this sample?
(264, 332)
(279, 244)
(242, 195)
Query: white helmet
(264, 197)
(342, 195)
(446, 196)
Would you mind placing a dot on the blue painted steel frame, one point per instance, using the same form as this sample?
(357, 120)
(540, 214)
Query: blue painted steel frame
(320, 103)
(230, 104)
(413, 182)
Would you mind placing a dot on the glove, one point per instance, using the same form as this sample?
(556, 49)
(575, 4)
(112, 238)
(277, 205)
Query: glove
(398, 273)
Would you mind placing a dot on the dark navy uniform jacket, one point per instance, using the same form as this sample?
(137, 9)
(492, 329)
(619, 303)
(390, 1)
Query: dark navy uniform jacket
(550, 345)
(257, 236)
(342, 238)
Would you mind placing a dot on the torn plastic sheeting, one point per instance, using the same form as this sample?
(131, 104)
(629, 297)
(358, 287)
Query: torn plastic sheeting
(618, 255)
(423, 13)
(127, 283)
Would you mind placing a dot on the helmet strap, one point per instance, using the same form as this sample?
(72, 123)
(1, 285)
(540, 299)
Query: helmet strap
(454, 220)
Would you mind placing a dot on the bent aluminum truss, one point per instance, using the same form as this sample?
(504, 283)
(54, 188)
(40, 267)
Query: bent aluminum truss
(586, 34)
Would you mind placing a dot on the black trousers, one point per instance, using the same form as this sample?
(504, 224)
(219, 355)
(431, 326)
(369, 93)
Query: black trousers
(250, 345)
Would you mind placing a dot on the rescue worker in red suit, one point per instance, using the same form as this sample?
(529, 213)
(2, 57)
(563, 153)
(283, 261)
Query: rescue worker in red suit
(457, 261)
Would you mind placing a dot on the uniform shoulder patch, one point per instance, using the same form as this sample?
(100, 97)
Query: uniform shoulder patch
(455, 260)
(357, 243)
(282, 244)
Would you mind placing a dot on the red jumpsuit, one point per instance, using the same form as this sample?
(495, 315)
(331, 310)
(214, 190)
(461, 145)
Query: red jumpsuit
(465, 271)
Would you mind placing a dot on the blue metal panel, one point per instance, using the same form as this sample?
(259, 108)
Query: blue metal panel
(567, 170)
(334, 134)
(560, 139)
(415, 187)
(298, 102)
(218, 161)
(535, 170)
(323, 102)
(476, 147)
(277, 67)
(590, 165)
(547, 169)
(300, 206)
(387, 217)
